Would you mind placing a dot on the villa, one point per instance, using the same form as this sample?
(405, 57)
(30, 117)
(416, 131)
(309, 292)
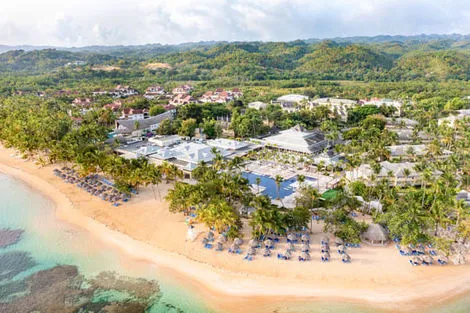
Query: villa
(397, 174)
(115, 106)
(123, 91)
(220, 96)
(82, 102)
(297, 139)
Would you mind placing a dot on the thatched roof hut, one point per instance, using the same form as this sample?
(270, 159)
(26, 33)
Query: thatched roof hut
(375, 235)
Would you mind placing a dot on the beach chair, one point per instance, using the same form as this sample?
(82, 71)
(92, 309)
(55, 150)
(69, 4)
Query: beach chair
(267, 253)
(208, 246)
(248, 258)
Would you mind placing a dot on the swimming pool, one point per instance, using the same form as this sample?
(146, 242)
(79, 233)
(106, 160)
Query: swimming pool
(269, 184)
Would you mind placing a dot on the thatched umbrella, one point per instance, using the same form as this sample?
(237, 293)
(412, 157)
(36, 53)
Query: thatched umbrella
(416, 260)
(253, 243)
(325, 255)
(406, 251)
(428, 259)
(325, 247)
(288, 254)
(267, 252)
(375, 235)
(238, 241)
(251, 251)
(205, 240)
(339, 241)
(325, 240)
(341, 249)
(268, 243)
(220, 246)
(346, 258)
(234, 247)
(290, 247)
(419, 249)
(305, 237)
(305, 248)
(291, 237)
(305, 256)
(222, 238)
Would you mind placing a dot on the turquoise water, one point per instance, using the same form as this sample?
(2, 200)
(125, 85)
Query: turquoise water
(48, 243)
(270, 184)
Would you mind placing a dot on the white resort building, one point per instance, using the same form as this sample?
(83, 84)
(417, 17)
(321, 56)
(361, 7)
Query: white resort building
(297, 139)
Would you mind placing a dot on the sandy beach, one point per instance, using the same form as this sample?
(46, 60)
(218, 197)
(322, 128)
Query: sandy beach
(144, 229)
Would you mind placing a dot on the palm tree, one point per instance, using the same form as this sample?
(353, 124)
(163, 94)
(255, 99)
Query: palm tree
(258, 182)
(278, 180)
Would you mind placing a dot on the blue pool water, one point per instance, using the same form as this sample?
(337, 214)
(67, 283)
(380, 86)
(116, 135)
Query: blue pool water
(270, 184)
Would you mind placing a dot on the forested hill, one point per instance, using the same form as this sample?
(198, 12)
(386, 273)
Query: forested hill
(381, 58)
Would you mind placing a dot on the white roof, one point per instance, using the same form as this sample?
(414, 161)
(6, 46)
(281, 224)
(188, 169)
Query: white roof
(193, 152)
(334, 101)
(292, 98)
(228, 144)
(257, 105)
(297, 139)
(401, 150)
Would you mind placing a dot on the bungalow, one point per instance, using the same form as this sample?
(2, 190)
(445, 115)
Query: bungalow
(134, 114)
(141, 126)
(400, 123)
(450, 120)
(153, 92)
(183, 89)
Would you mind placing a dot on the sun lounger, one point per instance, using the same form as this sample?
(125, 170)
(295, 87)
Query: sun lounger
(208, 246)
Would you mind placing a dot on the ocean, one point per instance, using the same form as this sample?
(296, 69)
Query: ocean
(47, 265)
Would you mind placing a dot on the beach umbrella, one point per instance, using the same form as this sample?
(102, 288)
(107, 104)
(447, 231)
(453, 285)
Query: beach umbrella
(345, 257)
(325, 240)
(290, 247)
(420, 249)
(305, 237)
(251, 251)
(210, 235)
(407, 250)
(416, 260)
(325, 255)
(268, 243)
(220, 246)
(267, 252)
(205, 240)
(305, 248)
(305, 256)
(222, 239)
(288, 254)
(341, 249)
(339, 241)
(238, 241)
(428, 259)
(253, 243)
(291, 237)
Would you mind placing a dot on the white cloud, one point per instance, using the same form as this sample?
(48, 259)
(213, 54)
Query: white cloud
(85, 22)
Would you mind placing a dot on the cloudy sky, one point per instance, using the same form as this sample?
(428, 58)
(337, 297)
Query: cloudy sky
(111, 22)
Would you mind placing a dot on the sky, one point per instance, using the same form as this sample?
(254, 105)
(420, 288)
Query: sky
(115, 22)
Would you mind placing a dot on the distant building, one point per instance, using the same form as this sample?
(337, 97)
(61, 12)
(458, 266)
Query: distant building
(450, 120)
(141, 126)
(182, 99)
(400, 123)
(220, 96)
(396, 174)
(115, 106)
(406, 152)
(379, 102)
(336, 105)
(257, 105)
(165, 141)
(134, 114)
(82, 102)
(291, 102)
(121, 91)
(182, 89)
(153, 92)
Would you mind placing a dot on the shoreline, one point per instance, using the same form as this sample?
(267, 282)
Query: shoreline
(220, 283)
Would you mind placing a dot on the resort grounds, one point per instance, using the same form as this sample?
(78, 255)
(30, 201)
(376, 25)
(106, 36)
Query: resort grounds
(144, 228)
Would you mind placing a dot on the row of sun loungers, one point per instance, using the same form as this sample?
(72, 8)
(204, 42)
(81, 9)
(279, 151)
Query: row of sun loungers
(93, 185)
(419, 255)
